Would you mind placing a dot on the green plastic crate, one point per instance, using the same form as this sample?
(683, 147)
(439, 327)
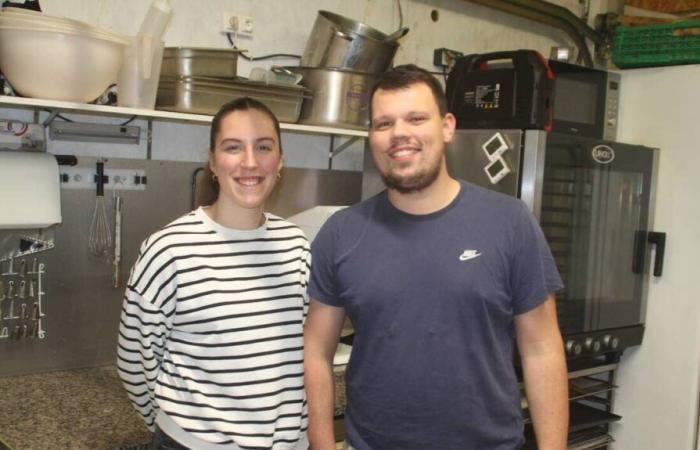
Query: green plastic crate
(656, 45)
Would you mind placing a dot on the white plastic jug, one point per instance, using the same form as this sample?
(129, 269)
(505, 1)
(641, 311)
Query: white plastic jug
(137, 82)
(156, 19)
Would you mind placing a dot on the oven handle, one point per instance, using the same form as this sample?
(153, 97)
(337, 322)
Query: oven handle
(641, 238)
(658, 239)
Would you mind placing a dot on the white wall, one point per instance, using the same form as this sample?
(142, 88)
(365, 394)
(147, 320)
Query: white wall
(659, 381)
(283, 26)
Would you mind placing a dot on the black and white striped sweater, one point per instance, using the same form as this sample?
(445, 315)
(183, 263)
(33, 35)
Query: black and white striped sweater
(211, 333)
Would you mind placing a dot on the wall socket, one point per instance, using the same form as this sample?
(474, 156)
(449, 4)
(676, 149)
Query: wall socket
(234, 23)
(445, 57)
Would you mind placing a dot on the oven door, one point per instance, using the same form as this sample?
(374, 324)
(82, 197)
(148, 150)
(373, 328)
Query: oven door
(596, 203)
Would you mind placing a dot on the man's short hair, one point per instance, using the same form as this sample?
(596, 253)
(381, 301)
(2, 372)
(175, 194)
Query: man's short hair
(401, 77)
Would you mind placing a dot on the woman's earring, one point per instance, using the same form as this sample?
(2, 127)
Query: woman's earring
(213, 177)
(279, 175)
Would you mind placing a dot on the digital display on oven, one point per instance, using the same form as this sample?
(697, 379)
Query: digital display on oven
(575, 100)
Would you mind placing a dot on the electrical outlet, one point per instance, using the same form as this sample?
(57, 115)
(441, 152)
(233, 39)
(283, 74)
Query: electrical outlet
(233, 23)
(444, 57)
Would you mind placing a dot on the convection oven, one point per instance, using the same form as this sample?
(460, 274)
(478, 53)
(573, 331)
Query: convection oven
(594, 201)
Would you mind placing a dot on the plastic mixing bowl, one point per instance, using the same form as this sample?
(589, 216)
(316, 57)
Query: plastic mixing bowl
(59, 65)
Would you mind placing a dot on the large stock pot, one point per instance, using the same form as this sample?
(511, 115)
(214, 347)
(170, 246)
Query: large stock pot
(340, 98)
(338, 42)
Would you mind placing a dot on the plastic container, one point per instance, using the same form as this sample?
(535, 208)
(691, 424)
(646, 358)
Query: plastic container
(59, 65)
(156, 19)
(137, 82)
(657, 45)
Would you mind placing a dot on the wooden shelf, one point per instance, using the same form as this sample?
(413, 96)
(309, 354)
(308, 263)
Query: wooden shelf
(150, 114)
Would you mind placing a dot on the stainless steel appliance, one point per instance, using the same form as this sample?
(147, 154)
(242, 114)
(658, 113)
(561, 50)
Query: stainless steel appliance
(519, 89)
(585, 101)
(594, 201)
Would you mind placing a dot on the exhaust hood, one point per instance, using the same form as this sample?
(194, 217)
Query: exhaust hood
(29, 190)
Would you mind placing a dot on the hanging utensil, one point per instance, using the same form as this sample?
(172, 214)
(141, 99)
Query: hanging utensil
(100, 239)
(116, 262)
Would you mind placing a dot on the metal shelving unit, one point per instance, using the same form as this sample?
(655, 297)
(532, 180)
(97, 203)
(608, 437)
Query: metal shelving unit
(55, 107)
(151, 115)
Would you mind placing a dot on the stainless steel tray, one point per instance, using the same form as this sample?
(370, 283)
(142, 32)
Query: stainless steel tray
(205, 95)
(195, 62)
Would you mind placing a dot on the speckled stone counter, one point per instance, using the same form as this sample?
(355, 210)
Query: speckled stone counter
(73, 410)
(83, 409)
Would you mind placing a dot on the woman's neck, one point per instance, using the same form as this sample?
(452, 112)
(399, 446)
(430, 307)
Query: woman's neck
(233, 216)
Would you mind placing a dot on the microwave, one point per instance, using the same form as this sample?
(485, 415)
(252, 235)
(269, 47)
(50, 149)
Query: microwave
(585, 101)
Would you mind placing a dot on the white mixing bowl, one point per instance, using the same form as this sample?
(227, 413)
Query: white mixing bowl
(59, 64)
(24, 22)
(33, 19)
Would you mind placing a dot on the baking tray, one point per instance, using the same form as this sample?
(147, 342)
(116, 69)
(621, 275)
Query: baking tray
(196, 62)
(205, 95)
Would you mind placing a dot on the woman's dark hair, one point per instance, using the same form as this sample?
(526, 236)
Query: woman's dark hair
(240, 104)
(209, 188)
(401, 77)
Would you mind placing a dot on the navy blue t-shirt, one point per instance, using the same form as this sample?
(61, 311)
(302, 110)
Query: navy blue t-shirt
(432, 300)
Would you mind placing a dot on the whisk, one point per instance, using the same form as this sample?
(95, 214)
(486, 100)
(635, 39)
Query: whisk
(100, 240)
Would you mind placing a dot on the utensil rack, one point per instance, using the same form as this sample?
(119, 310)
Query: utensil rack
(21, 299)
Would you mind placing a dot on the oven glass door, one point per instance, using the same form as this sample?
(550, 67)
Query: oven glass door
(595, 203)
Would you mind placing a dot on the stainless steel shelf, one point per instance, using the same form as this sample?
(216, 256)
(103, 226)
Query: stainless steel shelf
(150, 114)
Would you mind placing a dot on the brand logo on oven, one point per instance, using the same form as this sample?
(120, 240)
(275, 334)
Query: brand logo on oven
(603, 154)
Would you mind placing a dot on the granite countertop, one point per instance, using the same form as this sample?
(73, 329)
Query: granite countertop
(77, 409)
(85, 409)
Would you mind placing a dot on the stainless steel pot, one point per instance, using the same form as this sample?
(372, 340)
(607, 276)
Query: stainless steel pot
(339, 42)
(340, 98)
(199, 62)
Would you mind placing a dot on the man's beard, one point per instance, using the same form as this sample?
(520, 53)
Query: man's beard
(413, 183)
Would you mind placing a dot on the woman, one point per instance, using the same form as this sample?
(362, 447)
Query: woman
(210, 340)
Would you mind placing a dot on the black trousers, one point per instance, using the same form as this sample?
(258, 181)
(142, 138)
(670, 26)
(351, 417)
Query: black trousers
(162, 441)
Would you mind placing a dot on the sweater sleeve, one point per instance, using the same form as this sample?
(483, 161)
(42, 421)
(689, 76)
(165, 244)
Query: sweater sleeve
(305, 274)
(146, 321)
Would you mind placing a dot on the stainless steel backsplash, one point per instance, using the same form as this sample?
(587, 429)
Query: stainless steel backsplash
(81, 307)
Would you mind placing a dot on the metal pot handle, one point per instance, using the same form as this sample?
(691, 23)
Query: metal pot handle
(342, 35)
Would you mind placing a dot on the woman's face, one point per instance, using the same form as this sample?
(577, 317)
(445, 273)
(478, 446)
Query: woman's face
(246, 158)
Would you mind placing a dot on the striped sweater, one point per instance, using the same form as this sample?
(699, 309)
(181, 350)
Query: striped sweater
(210, 341)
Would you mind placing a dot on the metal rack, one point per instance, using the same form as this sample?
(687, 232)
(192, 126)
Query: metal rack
(55, 107)
(591, 401)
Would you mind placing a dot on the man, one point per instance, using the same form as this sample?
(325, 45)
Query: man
(439, 277)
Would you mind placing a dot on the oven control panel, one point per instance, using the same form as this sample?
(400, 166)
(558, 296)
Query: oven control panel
(601, 342)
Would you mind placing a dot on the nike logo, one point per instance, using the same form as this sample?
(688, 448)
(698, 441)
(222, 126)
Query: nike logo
(469, 254)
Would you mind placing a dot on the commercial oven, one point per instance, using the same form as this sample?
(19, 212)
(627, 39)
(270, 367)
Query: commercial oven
(594, 201)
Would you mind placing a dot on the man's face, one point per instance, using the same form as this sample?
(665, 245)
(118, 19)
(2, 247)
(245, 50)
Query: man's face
(407, 136)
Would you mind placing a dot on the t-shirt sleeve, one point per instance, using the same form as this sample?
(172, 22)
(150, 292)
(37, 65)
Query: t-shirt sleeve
(323, 283)
(534, 274)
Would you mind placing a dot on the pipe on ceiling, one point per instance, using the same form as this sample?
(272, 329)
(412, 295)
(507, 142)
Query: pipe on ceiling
(553, 15)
